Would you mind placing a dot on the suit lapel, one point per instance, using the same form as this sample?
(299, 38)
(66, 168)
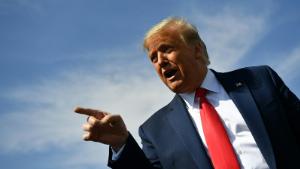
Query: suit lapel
(181, 122)
(238, 90)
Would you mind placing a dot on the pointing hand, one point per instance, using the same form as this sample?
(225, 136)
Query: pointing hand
(104, 127)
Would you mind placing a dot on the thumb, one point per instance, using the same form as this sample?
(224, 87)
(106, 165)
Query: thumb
(113, 120)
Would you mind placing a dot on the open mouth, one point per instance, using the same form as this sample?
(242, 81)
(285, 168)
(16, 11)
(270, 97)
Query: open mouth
(170, 73)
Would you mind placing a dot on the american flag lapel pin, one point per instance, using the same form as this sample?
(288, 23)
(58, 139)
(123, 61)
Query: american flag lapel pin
(238, 84)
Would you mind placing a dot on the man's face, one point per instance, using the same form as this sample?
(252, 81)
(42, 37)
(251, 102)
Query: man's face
(179, 65)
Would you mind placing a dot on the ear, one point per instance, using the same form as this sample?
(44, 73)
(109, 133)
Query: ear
(198, 51)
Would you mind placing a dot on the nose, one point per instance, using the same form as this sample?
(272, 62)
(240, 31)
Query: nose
(162, 59)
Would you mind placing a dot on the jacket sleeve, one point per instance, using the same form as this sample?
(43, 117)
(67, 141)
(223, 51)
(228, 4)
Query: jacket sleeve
(132, 157)
(290, 102)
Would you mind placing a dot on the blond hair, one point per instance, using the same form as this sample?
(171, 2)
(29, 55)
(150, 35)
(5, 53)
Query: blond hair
(187, 32)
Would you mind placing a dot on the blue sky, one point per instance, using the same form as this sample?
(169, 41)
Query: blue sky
(57, 54)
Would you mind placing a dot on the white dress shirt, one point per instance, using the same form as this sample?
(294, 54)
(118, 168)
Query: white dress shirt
(239, 134)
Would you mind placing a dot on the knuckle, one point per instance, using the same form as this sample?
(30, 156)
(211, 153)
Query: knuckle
(92, 121)
(87, 136)
(88, 127)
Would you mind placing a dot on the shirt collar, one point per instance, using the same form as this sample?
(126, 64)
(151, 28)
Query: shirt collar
(210, 83)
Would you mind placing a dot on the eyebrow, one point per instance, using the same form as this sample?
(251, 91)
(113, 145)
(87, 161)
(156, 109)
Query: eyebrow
(159, 46)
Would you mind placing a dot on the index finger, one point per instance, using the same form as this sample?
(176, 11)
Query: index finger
(90, 112)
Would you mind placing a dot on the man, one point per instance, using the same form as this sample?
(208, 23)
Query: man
(246, 118)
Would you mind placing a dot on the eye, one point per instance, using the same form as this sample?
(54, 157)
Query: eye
(166, 48)
(153, 57)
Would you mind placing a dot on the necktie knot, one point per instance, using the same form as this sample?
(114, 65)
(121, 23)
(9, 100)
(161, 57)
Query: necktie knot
(201, 92)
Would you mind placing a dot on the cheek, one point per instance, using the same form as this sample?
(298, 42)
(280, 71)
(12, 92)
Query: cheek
(182, 68)
(158, 70)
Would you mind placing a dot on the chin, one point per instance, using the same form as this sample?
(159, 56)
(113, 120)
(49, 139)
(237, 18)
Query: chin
(176, 88)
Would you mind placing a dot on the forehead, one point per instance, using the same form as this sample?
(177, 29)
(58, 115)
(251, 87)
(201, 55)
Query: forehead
(166, 37)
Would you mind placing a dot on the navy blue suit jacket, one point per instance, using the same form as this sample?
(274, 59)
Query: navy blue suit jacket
(270, 109)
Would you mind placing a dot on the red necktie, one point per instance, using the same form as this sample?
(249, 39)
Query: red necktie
(219, 147)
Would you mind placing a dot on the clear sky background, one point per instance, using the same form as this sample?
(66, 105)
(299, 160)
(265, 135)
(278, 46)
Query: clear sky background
(57, 54)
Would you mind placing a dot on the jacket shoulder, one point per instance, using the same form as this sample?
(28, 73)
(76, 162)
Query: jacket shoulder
(159, 116)
(253, 75)
(254, 69)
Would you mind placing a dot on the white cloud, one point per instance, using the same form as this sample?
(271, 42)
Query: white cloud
(85, 155)
(288, 64)
(48, 119)
(229, 34)
(127, 89)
